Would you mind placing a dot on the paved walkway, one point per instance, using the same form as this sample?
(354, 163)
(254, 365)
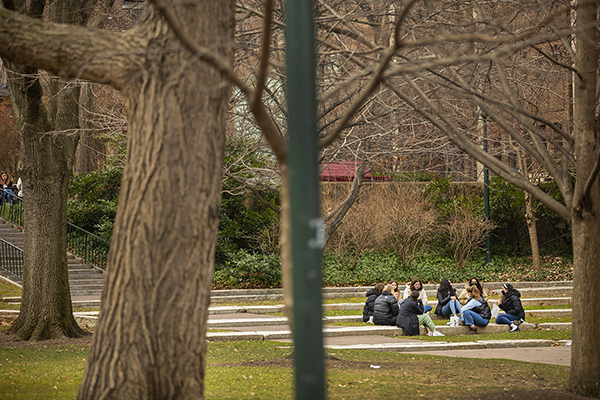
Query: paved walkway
(539, 351)
(557, 355)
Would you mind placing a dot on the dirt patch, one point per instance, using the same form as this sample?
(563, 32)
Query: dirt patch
(545, 394)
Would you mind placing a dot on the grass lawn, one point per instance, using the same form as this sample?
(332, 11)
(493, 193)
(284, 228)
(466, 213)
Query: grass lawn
(9, 290)
(263, 370)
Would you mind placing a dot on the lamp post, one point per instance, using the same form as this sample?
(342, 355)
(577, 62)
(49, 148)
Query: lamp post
(307, 226)
(486, 195)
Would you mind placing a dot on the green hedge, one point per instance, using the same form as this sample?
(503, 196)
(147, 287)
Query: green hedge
(251, 270)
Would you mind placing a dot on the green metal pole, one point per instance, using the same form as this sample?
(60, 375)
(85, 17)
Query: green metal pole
(307, 226)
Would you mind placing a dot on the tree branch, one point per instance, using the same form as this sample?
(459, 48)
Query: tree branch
(264, 121)
(463, 143)
(342, 209)
(264, 55)
(254, 191)
(375, 81)
(66, 50)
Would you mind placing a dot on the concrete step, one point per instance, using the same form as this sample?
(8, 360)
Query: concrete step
(527, 289)
(440, 346)
(354, 331)
(279, 308)
(90, 281)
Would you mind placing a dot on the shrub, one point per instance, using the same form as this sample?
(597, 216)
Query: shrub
(465, 229)
(93, 200)
(244, 269)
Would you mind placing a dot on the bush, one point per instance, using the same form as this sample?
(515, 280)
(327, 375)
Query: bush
(93, 200)
(248, 270)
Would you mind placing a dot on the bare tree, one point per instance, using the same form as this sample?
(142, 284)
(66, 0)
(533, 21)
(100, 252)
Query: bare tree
(48, 137)
(163, 246)
(432, 65)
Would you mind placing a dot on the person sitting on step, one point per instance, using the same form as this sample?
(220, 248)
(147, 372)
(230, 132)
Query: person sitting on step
(510, 302)
(448, 305)
(476, 312)
(462, 297)
(412, 316)
(416, 284)
(372, 295)
(385, 310)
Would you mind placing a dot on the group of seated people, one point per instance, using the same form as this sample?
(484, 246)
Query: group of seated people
(8, 188)
(385, 306)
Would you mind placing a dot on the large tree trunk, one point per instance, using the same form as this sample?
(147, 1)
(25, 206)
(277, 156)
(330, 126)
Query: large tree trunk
(46, 310)
(150, 339)
(585, 351)
(45, 167)
(585, 223)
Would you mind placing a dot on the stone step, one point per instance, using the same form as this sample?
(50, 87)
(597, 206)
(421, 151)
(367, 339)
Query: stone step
(279, 308)
(439, 346)
(90, 281)
(216, 323)
(527, 289)
(355, 331)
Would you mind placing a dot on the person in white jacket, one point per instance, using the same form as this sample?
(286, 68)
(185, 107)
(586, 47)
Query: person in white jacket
(20, 188)
(416, 284)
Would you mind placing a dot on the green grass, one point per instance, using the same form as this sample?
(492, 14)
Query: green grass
(262, 370)
(9, 290)
(556, 307)
(41, 373)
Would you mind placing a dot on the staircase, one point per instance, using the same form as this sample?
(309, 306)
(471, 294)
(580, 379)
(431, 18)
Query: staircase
(84, 280)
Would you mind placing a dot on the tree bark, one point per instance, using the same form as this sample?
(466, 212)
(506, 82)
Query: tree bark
(45, 166)
(150, 339)
(83, 155)
(532, 229)
(585, 353)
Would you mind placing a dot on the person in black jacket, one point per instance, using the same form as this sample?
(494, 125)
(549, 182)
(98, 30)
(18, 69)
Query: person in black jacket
(385, 310)
(447, 301)
(372, 294)
(411, 316)
(510, 302)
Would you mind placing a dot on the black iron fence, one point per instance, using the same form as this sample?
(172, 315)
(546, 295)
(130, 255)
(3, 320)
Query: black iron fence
(11, 207)
(85, 245)
(11, 259)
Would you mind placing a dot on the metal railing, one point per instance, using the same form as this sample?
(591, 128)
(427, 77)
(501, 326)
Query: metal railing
(89, 247)
(11, 259)
(11, 208)
(85, 245)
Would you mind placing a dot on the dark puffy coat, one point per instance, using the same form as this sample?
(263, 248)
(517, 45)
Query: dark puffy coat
(483, 309)
(372, 294)
(385, 309)
(408, 319)
(512, 304)
(443, 299)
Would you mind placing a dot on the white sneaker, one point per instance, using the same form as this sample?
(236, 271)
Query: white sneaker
(429, 333)
(437, 333)
(514, 328)
(370, 321)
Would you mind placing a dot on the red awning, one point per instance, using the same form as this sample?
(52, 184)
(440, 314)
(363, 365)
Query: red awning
(344, 171)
